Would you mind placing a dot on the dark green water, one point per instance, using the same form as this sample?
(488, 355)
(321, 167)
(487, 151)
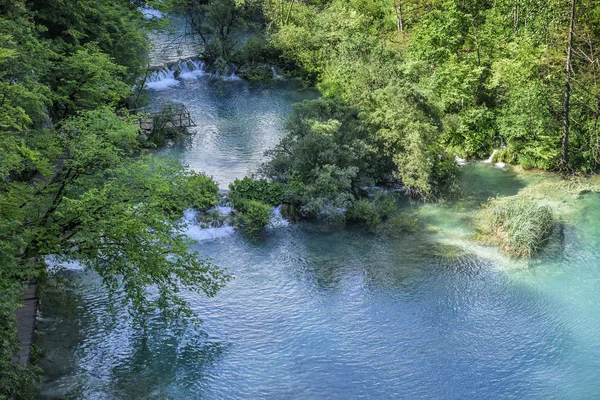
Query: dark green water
(319, 314)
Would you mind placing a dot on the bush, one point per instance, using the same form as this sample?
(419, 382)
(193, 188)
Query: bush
(243, 190)
(371, 213)
(399, 225)
(519, 226)
(363, 212)
(200, 191)
(255, 217)
(188, 190)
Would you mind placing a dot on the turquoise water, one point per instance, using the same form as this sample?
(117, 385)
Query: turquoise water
(315, 313)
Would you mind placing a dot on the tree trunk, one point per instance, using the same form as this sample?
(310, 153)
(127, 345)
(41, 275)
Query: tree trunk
(399, 22)
(565, 139)
(287, 18)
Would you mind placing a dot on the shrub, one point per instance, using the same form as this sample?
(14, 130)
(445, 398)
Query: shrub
(261, 190)
(399, 225)
(188, 190)
(371, 213)
(255, 217)
(363, 212)
(519, 226)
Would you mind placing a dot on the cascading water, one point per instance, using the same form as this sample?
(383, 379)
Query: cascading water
(491, 158)
(169, 76)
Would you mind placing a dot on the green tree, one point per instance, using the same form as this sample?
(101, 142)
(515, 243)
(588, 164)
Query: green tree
(85, 80)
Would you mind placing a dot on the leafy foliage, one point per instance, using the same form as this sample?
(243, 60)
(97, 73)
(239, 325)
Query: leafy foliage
(254, 217)
(487, 74)
(372, 213)
(241, 191)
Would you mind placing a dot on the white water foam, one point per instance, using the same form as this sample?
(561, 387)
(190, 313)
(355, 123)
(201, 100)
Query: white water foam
(277, 220)
(192, 69)
(195, 232)
(276, 76)
(172, 76)
(232, 77)
(460, 161)
(207, 234)
(190, 215)
(224, 210)
(162, 80)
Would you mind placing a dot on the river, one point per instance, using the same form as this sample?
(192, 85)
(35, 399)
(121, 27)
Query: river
(319, 313)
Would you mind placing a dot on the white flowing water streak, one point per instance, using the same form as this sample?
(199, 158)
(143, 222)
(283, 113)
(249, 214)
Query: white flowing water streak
(224, 210)
(162, 80)
(191, 69)
(277, 220)
(491, 159)
(171, 76)
(276, 76)
(460, 161)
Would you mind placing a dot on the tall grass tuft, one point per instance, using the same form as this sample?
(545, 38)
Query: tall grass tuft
(521, 227)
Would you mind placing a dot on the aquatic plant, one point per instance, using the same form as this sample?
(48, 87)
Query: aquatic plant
(520, 226)
(400, 224)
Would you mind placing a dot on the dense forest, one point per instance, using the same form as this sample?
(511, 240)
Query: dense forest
(407, 86)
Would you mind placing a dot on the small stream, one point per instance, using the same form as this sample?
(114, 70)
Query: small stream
(316, 313)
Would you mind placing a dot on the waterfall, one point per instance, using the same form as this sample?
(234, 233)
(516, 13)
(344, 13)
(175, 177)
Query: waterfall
(194, 231)
(276, 76)
(491, 159)
(277, 220)
(162, 79)
(191, 69)
(170, 75)
(460, 161)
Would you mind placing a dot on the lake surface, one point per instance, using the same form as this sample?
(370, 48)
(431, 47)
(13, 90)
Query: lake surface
(317, 313)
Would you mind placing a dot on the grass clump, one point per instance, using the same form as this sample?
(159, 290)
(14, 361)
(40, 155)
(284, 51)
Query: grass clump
(519, 226)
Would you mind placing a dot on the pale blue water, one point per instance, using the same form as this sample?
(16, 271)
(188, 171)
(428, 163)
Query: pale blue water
(318, 314)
